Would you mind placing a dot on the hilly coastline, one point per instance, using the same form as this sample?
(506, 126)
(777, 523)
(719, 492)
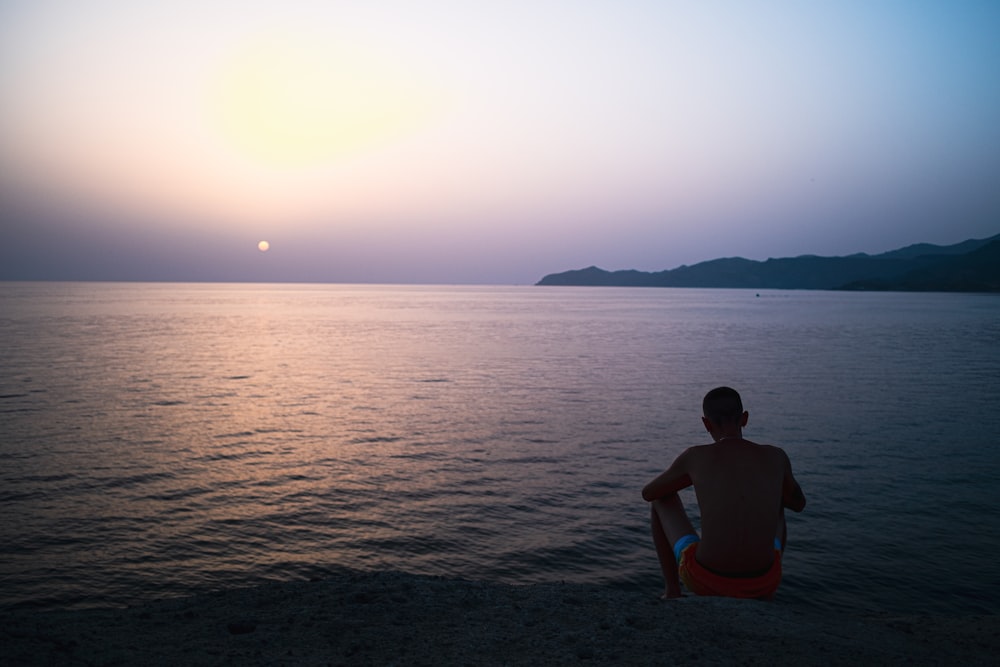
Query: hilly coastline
(970, 266)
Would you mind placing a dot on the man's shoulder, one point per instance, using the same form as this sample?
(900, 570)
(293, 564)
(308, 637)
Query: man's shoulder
(695, 451)
(773, 449)
(778, 451)
(712, 452)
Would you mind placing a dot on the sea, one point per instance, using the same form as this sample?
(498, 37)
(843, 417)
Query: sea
(164, 440)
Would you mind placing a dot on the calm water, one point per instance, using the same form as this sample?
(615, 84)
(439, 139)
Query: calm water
(160, 440)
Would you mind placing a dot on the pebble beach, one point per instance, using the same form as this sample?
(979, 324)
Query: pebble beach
(392, 618)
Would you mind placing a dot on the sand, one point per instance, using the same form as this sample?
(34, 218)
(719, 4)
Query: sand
(400, 619)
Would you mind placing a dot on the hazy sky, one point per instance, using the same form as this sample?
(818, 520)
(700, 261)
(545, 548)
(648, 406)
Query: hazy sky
(486, 142)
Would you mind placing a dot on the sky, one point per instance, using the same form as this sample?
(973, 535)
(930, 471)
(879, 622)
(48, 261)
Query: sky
(475, 142)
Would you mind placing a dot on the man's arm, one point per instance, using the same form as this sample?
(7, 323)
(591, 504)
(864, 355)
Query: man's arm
(791, 493)
(671, 480)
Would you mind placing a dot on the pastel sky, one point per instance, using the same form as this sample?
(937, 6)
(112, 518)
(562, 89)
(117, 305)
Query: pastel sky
(486, 142)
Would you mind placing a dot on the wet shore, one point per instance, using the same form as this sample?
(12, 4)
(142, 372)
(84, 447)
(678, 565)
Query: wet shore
(400, 619)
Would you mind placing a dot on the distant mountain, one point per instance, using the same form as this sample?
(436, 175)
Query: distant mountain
(976, 271)
(970, 266)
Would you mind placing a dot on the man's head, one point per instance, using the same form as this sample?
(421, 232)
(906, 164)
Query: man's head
(723, 408)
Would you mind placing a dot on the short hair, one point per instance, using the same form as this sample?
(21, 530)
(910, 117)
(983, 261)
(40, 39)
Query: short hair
(722, 406)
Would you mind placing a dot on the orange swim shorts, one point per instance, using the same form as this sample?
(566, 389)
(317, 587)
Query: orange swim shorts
(705, 582)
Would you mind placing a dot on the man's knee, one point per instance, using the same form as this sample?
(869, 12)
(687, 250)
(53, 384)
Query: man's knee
(669, 512)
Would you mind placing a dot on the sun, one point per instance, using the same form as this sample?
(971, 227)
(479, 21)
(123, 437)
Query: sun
(263, 246)
(292, 100)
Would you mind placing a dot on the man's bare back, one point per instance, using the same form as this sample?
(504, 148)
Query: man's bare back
(742, 490)
(739, 489)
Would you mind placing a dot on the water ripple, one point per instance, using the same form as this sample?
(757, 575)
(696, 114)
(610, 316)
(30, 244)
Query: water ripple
(287, 441)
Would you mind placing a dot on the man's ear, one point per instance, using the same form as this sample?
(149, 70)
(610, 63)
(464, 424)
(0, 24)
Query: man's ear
(744, 418)
(707, 423)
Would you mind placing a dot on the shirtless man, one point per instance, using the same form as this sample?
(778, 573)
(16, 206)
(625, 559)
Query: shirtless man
(742, 489)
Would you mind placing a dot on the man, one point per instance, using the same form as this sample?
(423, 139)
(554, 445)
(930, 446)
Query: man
(742, 490)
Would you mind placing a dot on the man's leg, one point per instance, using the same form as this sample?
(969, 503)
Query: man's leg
(669, 524)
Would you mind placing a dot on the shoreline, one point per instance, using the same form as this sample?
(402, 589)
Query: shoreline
(396, 618)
